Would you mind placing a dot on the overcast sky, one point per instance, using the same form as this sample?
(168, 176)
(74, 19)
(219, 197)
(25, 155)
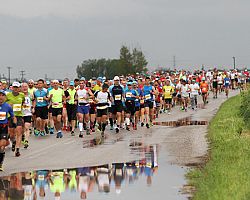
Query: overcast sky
(53, 36)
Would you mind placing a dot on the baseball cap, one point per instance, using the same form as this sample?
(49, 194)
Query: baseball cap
(3, 92)
(31, 81)
(16, 84)
(48, 82)
(55, 81)
(203, 79)
(71, 83)
(82, 79)
(129, 82)
(3, 81)
(116, 78)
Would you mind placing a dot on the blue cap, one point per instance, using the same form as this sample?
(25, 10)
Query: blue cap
(99, 79)
(71, 83)
(3, 92)
(82, 79)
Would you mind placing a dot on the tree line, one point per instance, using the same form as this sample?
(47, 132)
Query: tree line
(130, 62)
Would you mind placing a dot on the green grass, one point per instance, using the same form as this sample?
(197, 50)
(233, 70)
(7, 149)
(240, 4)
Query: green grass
(226, 175)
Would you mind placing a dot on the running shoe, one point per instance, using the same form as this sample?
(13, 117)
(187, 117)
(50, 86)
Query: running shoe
(72, 133)
(13, 147)
(117, 129)
(59, 134)
(51, 130)
(1, 168)
(17, 154)
(142, 124)
(42, 133)
(46, 130)
(26, 144)
(127, 128)
(87, 131)
(36, 132)
(81, 134)
(147, 125)
(111, 128)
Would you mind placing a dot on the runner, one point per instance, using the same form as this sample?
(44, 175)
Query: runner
(5, 110)
(148, 92)
(117, 96)
(27, 114)
(194, 92)
(184, 94)
(168, 91)
(227, 85)
(102, 99)
(57, 97)
(64, 112)
(204, 90)
(130, 96)
(83, 95)
(71, 107)
(215, 85)
(137, 103)
(16, 100)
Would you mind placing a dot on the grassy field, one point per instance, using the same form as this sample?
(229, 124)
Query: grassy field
(226, 175)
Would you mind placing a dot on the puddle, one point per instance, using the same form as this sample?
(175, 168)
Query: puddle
(99, 140)
(182, 122)
(108, 181)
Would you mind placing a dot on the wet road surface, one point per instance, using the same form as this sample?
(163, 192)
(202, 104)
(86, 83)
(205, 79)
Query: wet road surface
(146, 159)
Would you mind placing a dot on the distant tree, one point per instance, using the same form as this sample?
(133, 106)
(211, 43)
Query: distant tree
(139, 61)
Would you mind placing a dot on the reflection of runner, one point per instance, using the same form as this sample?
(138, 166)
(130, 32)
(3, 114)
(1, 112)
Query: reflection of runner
(42, 185)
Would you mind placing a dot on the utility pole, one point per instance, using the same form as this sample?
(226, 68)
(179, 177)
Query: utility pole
(234, 62)
(174, 62)
(22, 74)
(9, 74)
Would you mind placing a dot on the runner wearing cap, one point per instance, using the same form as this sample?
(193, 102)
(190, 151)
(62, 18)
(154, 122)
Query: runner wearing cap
(5, 110)
(31, 89)
(16, 99)
(64, 113)
(117, 96)
(57, 97)
(83, 95)
(130, 97)
(194, 91)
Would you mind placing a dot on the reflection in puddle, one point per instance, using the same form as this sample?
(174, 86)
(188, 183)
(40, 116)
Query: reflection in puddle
(182, 122)
(99, 140)
(78, 182)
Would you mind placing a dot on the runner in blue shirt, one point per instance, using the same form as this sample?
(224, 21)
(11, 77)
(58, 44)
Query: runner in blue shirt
(5, 110)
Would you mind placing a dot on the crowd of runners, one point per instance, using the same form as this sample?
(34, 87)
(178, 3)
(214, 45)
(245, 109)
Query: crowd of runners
(46, 107)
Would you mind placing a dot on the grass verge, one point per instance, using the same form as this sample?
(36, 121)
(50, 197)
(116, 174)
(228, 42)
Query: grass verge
(226, 175)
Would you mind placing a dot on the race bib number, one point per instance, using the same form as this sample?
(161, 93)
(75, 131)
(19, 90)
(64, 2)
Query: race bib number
(128, 94)
(118, 172)
(81, 100)
(17, 107)
(118, 97)
(142, 101)
(227, 82)
(2, 116)
(204, 90)
(26, 107)
(40, 177)
(39, 99)
(148, 96)
(102, 107)
(55, 104)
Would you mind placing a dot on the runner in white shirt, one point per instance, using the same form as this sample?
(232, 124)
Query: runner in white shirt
(194, 92)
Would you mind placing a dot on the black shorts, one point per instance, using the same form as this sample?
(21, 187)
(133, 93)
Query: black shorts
(18, 123)
(27, 119)
(168, 101)
(137, 108)
(71, 111)
(4, 132)
(149, 104)
(50, 109)
(174, 94)
(92, 109)
(215, 85)
(42, 112)
(179, 96)
(56, 111)
(117, 108)
(130, 107)
(101, 112)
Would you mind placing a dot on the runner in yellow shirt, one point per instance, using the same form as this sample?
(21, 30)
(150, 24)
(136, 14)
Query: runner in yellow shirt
(168, 90)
